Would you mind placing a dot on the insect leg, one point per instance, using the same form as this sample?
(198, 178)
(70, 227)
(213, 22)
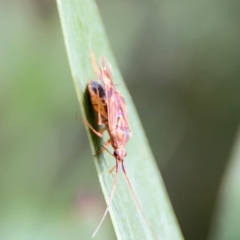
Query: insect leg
(99, 110)
(100, 133)
(110, 199)
(104, 147)
(112, 169)
(108, 152)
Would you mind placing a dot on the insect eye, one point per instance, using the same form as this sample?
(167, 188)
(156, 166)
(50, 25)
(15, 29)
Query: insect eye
(115, 154)
(125, 154)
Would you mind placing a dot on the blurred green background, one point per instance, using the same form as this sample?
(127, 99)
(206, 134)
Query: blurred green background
(181, 63)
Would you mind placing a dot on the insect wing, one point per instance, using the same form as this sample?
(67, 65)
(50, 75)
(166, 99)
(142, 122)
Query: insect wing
(107, 71)
(123, 109)
(112, 100)
(96, 67)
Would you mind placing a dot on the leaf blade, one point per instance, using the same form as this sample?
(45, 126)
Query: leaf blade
(83, 32)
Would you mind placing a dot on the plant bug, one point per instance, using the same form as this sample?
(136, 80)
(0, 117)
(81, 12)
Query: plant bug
(111, 108)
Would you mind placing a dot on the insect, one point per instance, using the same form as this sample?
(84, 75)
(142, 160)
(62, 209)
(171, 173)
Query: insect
(112, 112)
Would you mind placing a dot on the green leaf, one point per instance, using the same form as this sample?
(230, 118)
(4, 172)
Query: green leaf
(227, 216)
(84, 32)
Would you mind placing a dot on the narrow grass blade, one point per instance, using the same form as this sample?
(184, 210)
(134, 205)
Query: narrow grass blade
(83, 32)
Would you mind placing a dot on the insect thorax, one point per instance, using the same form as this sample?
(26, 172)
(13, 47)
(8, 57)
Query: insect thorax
(119, 138)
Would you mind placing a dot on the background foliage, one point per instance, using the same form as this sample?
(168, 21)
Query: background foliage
(181, 65)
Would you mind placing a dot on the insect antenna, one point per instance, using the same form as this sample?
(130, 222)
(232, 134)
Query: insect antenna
(136, 199)
(110, 200)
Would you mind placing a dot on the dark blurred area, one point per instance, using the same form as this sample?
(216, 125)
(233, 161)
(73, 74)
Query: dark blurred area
(180, 61)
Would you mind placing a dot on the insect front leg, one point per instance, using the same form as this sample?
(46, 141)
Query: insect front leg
(112, 169)
(100, 133)
(104, 147)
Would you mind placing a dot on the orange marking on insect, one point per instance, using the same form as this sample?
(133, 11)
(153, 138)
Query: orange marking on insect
(111, 108)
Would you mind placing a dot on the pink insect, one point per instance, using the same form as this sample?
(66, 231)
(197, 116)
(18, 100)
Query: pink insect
(112, 112)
